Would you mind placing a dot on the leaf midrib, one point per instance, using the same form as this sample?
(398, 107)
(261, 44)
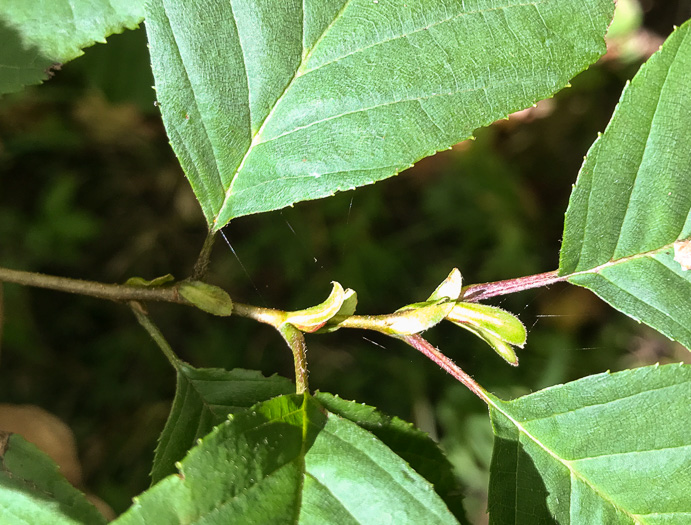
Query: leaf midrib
(654, 307)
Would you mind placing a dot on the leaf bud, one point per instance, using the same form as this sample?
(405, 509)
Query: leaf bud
(207, 297)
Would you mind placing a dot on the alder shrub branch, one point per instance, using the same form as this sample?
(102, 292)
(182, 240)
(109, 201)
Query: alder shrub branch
(112, 292)
(169, 294)
(404, 324)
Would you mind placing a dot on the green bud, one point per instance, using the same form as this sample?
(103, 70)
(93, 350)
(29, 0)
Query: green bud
(498, 328)
(207, 297)
(450, 288)
(349, 303)
(492, 319)
(418, 317)
(505, 350)
(312, 319)
(347, 309)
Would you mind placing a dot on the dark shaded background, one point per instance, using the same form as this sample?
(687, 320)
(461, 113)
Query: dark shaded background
(89, 188)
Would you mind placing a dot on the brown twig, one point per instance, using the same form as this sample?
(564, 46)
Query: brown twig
(201, 267)
(112, 292)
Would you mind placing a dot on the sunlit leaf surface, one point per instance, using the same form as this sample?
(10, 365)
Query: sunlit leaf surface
(203, 399)
(609, 448)
(267, 104)
(290, 460)
(632, 200)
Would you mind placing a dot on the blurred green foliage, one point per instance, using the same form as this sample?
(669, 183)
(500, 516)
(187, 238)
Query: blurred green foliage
(89, 188)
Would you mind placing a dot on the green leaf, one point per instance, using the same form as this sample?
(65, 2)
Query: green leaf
(632, 202)
(207, 297)
(609, 448)
(38, 36)
(203, 399)
(410, 443)
(289, 460)
(33, 491)
(266, 106)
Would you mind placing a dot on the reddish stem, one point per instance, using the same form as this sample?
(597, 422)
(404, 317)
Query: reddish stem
(482, 291)
(422, 345)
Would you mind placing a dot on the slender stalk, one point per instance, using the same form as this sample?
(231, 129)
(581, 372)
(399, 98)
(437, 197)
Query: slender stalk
(112, 292)
(296, 342)
(202, 265)
(479, 292)
(422, 345)
(155, 333)
(291, 335)
(127, 293)
(269, 316)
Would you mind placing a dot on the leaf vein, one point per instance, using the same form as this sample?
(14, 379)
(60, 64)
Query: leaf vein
(574, 473)
(369, 108)
(631, 453)
(424, 28)
(608, 402)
